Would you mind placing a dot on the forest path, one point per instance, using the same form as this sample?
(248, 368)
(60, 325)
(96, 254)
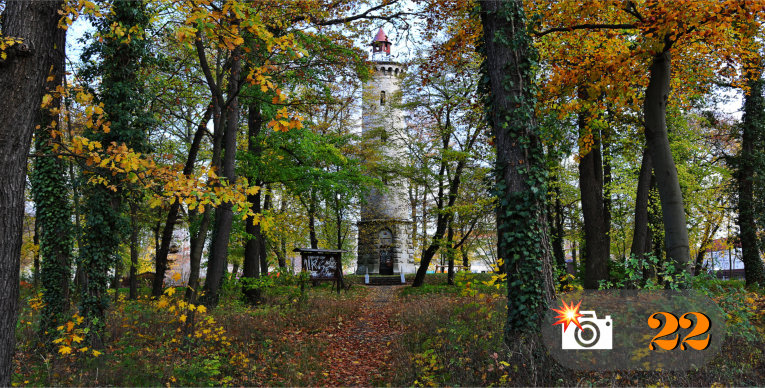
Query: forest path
(357, 353)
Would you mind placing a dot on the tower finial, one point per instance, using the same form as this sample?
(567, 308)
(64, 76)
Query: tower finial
(381, 43)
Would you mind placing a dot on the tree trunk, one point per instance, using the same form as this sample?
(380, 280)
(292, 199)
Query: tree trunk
(281, 250)
(442, 221)
(640, 232)
(427, 254)
(414, 200)
(673, 212)
(655, 242)
(160, 261)
(338, 221)
(708, 236)
(605, 146)
(198, 237)
(443, 218)
(22, 81)
(224, 214)
(252, 249)
(521, 221)
(116, 279)
(450, 253)
(262, 236)
(591, 187)
(752, 140)
(36, 241)
(557, 243)
(133, 251)
(234, 271)
(312, 221)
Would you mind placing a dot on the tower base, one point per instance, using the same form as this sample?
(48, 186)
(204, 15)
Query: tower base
(381, 257)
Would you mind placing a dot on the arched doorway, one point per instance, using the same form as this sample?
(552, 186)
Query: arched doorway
(386, 252)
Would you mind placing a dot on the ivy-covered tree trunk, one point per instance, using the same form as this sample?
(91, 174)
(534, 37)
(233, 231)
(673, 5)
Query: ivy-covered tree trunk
(750, 169)
(521, 180)
(22, 81)
(122, 93)
(49, 190)
(667, 182)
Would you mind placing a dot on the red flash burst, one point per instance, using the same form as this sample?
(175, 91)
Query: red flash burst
(568, 314)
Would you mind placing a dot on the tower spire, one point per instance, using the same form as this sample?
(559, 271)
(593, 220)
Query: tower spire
(380, 43)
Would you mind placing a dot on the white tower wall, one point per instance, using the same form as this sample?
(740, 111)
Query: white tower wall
(387, 209)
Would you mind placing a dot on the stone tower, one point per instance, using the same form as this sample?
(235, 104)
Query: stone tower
(385, 229)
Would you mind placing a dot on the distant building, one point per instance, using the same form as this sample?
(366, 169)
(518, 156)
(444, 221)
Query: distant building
(179, 259)
(724, 259)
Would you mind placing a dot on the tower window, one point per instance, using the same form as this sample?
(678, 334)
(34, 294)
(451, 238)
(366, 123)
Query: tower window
(382, 97)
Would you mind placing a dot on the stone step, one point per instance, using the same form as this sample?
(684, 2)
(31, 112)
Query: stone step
(385, 280)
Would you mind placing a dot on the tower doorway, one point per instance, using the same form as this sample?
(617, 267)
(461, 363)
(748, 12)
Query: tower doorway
(386, 252)
(386, 260)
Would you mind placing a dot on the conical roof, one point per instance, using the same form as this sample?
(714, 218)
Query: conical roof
(381, 37)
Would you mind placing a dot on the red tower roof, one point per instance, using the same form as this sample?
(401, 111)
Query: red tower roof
(381, 37)
(381, 44)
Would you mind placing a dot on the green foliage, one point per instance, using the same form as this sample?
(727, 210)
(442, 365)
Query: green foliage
(444, 346)
(742, 308)
(465, 284)
(650, 273)
(122, 51)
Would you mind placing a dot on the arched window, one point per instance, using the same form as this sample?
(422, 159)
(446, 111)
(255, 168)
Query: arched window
(382, 97)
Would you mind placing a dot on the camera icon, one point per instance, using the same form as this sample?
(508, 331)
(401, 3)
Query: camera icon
(594, 334)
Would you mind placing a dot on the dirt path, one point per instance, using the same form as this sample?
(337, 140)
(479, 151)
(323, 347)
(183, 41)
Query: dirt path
(358, 351)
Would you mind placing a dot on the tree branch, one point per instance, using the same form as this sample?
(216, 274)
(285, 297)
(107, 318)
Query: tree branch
(588, 26)
(214, 88)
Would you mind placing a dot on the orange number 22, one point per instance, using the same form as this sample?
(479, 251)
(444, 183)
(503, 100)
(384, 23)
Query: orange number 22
(671, 324)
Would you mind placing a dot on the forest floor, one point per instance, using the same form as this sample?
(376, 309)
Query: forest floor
(435, 335)
(360, 349)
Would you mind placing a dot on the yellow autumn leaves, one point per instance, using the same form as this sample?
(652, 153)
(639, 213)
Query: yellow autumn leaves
(5, 43)
(284, 121)
(70, 337)
(193, 321)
